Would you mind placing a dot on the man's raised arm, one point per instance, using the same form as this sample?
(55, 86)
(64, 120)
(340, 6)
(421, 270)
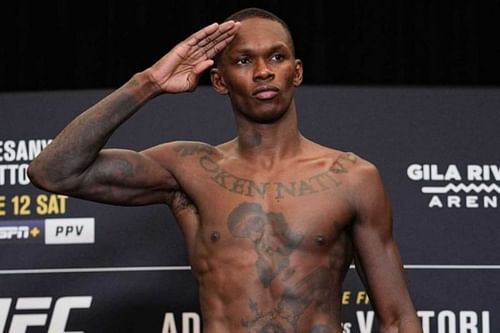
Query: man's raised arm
(76, 164)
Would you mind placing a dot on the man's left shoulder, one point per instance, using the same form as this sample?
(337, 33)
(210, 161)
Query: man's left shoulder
(351, 166)
(359, 170)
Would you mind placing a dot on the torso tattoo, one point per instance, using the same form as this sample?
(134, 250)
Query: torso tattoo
(274, 243)
(277, 242)
(316, 183)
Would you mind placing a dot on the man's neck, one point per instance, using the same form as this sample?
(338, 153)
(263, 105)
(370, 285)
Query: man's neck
(265, 144)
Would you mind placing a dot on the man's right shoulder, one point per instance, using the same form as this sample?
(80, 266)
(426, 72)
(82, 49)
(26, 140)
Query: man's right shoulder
(169, 154)
(191, 148)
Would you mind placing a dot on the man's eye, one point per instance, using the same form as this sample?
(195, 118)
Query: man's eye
(243, 61)
(277, 57)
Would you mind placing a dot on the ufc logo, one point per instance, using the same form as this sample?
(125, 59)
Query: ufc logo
(57, 324)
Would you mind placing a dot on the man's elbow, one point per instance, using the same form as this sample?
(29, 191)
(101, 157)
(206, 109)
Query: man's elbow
(37, 176)
(34, 173)
(46, 180)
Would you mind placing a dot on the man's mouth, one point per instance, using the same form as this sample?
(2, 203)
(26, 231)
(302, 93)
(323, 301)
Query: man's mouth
(265, 92)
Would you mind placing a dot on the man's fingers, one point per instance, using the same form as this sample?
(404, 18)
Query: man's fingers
(223, 28)
(195, 38)
(219, 42)
(202, 66)
(184, 63)
(205, 35)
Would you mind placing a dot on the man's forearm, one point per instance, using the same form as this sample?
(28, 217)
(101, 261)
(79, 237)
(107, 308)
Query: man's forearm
(78, 144)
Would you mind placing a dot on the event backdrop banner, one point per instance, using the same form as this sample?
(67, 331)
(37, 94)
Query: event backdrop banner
(69, 265)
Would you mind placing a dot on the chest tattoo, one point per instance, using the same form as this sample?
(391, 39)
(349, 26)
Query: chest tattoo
(316, 183)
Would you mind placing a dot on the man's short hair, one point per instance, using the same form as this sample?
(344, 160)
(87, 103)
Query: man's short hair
(254, 12)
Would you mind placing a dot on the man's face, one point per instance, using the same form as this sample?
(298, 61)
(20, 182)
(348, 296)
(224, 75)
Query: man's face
(258, 70)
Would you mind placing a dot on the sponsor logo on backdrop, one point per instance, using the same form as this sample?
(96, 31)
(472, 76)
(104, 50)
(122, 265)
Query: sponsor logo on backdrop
(453, 186)
(53, 313)
(27, 231)
(49, 231)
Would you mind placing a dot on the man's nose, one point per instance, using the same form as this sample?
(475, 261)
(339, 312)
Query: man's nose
(262, 71)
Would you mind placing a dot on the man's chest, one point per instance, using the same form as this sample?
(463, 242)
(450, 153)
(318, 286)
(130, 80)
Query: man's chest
(286, 183)
(267, 216)
(308, 198)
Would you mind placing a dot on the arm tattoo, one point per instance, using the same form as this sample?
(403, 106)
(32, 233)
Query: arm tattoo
(188, 149)
(181, 202)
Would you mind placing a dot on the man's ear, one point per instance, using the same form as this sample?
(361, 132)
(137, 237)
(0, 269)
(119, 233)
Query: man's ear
(299, 73)
(218, 81)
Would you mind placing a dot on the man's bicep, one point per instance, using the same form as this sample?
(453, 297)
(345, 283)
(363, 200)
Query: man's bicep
(126, 177)
(371, 200)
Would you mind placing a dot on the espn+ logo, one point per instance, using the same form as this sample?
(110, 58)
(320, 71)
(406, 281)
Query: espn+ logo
(34, 311)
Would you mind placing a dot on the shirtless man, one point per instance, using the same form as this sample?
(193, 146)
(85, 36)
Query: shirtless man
(271, 220)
